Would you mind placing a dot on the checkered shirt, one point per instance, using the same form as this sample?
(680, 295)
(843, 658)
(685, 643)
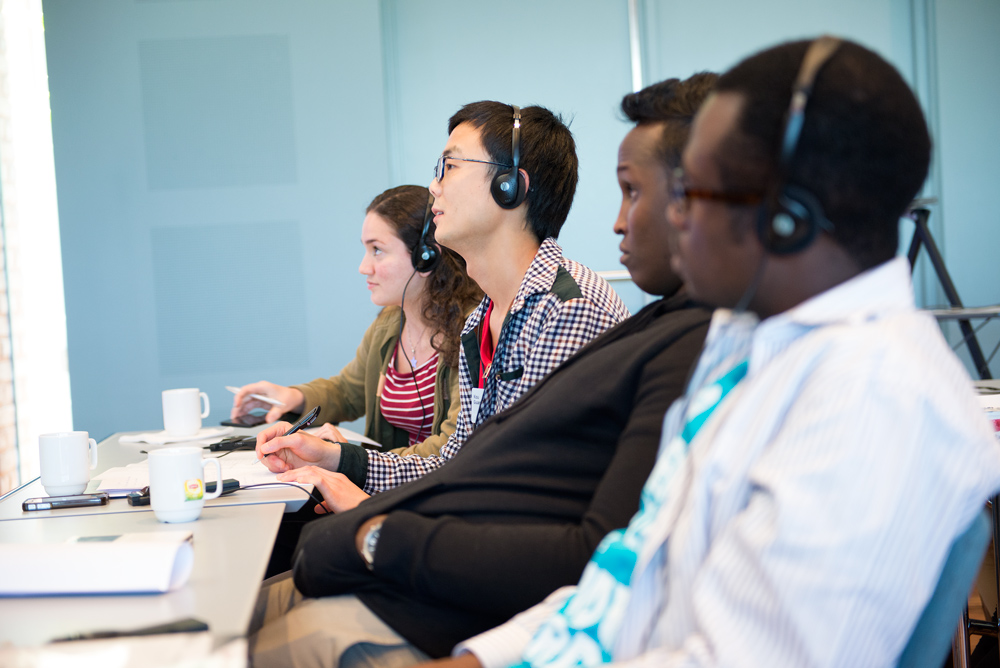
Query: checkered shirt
(542, 329)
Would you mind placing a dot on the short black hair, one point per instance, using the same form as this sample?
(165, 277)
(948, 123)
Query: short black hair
(864, 150)
(548, 155)
(674, 103)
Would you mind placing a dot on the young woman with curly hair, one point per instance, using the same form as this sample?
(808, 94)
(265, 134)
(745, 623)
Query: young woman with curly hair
(403, 378)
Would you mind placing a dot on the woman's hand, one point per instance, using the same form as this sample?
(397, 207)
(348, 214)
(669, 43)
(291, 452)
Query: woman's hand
(328, 432)
(243, 403)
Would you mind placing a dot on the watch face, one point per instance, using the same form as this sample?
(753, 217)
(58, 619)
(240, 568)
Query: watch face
(371, 541)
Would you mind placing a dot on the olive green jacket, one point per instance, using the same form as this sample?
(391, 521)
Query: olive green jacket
(355, 391)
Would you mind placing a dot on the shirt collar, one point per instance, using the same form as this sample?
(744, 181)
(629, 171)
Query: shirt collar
(873, 293)
(539, 277)
(541, 273)
(883, 289)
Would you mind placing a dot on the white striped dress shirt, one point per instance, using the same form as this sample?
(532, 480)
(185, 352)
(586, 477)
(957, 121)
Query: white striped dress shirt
(817, 504)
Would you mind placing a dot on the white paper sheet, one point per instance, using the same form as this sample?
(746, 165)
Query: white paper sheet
(152, 562)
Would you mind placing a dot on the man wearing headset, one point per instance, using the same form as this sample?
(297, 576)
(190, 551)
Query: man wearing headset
(829, 448)
(503, 187)
(535, 488)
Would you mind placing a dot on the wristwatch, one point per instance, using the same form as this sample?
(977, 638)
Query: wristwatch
(368, 547)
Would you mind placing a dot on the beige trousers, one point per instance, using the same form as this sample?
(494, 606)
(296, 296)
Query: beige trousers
(290, 630)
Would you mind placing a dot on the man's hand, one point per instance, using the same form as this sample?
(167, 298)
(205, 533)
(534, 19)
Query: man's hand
(243, 403)
(359, 538)
(463, 660)
(328, 432)
(338, 492)
(291, 452)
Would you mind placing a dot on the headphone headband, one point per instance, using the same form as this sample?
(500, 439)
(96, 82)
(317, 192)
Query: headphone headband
(820, 51)
(790, 216)
(508, 187)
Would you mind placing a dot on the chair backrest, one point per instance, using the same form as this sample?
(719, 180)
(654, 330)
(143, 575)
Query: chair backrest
(929, 643)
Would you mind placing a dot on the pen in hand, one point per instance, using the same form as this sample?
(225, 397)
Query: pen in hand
(305, 421)
(259, 397)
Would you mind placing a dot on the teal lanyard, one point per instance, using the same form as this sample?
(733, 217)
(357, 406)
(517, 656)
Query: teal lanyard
(583, 631)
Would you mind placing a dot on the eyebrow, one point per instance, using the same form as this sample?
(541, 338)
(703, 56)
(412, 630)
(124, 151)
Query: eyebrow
(368, 242)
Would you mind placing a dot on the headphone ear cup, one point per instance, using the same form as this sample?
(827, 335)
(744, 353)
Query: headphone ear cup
(507, 191)
(426, 254)
(790, 224)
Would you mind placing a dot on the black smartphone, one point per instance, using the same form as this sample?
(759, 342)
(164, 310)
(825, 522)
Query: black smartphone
(235, 443)
(69, 501)
(245, 420)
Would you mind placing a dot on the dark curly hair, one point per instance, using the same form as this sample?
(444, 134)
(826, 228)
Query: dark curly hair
(674, 103)
(450, 293)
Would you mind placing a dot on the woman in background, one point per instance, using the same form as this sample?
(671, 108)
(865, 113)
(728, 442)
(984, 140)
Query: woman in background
(404, 377)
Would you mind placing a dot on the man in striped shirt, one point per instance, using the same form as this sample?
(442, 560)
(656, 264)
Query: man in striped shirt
(829, 449)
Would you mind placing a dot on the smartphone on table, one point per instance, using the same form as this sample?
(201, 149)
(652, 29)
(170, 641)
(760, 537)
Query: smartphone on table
(68, 501)
(245, 420)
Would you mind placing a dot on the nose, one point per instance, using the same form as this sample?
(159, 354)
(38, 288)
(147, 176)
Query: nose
(676, 215)
(366, 265)
(435, 187)
(621, 224)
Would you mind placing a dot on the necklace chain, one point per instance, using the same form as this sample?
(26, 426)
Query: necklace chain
(413, 347)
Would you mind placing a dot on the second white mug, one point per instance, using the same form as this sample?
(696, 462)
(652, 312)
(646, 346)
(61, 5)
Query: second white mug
(183, 412)
(66, 459)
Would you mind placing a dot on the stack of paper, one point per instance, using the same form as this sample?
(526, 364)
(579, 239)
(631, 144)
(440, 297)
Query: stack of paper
(152, 562)
(205, 434)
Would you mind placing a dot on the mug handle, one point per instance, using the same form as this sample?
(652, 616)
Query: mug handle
(92, 446)
(218, 477)
(204, 397)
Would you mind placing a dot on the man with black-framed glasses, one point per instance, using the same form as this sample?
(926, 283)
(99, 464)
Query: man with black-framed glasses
(503, 187)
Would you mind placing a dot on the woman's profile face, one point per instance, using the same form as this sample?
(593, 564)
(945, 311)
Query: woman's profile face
(386, 264)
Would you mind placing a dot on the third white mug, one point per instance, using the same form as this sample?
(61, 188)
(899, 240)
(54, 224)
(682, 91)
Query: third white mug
(182, 411)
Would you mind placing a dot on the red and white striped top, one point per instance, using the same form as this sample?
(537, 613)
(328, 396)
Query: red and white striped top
(401, 404)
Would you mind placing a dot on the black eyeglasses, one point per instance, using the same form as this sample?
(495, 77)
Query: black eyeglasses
(439, 167)
(680, 196)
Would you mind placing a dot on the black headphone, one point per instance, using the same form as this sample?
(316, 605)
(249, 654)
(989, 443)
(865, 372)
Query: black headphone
(790, 216)
(508, 187)
(426, 254)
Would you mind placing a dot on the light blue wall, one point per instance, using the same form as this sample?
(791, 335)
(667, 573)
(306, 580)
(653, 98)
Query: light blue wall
(968, 151)
(450, 52)
(968, 48)
(213, 163)
(214, 157)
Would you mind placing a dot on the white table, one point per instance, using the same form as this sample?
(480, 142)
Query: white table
(231, 549)
(111, 453)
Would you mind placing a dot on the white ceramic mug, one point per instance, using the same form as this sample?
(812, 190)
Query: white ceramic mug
(66, 459)
(177, 483)
(182, 411)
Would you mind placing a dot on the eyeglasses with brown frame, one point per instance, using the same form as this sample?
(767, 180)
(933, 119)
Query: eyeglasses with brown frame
(680, 196)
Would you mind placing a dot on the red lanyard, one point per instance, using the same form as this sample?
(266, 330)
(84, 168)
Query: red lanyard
(485, 348)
